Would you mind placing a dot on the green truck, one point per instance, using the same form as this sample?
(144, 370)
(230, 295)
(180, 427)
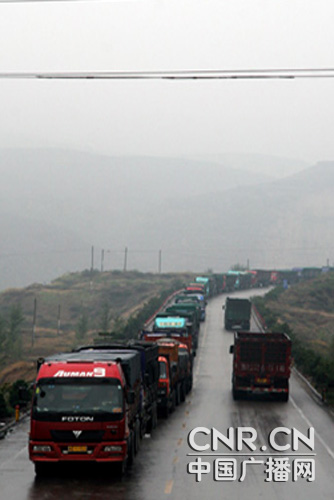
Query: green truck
(237, 314)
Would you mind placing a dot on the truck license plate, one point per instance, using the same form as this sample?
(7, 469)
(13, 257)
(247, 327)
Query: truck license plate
(261, 380)
(77, 449)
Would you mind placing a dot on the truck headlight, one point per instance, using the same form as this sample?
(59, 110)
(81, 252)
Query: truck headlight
(112, 448)
(41, 448)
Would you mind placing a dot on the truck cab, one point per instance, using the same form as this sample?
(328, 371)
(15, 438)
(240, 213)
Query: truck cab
(166, 394)
(85, 408)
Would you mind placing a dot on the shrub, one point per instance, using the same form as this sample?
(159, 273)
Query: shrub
(4, 411)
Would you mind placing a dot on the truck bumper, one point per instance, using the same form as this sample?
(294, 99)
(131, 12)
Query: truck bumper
(262, 390)
(47, 451)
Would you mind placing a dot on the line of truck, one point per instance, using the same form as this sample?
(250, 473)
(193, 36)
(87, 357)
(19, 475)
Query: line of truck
(95, 403)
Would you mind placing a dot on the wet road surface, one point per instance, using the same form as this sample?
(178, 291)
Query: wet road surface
(160, 470)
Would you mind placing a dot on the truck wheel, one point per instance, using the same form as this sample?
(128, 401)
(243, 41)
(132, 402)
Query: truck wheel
(236, 394)
(42, 469)
(183, 392)
(178, 394)
(137, 437)
(119, 468)
(283, 396)
(149, 425)
(173, 401)
(165, 411)
(153, 421)
(131, 448)
(154, 418)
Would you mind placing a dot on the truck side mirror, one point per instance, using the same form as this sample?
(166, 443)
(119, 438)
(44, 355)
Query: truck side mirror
(231, 349)
(223, 307)
(130, 397)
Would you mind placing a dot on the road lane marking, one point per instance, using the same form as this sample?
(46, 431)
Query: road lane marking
(199, 357)
(169, 487)
(302, 414)
(12, 459)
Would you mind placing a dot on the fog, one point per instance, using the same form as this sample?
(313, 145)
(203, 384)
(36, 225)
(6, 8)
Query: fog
(118, 163)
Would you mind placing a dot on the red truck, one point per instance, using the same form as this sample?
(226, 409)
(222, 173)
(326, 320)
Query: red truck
(261, 364)
(177, 326)
(85, 408)
(174, 367)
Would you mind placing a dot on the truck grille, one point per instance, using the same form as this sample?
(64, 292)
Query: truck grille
(69, 436)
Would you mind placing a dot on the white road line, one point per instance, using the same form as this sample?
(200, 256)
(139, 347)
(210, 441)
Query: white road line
(302, 414)
(12, 459)
(199, 357)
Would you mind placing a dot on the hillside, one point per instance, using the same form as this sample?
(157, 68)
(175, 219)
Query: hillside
(88, 303)
(308, 308)
(283, 224)
(306, 313)
(55, 204)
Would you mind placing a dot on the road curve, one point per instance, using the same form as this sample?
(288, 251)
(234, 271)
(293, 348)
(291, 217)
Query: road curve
(161, 467)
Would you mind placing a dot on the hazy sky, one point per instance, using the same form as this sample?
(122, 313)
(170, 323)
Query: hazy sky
(290, 118)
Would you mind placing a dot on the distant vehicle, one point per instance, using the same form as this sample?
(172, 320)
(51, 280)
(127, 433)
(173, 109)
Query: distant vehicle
(191, 311)
(176, 327)
(261, 364)
(193, 297)
(237, 314)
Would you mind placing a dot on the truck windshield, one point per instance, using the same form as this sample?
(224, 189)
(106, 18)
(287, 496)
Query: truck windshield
(78, 396)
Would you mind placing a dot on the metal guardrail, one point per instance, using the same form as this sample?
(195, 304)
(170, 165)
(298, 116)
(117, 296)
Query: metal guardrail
(258, 319)
(161, 308)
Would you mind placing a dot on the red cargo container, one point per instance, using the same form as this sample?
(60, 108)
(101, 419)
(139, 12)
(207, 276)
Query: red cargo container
(261, 364)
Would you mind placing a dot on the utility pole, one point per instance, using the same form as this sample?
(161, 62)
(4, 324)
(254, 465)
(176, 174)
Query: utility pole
(58, 322)
(102, 260)
(125, 258)
(92, 262)
(159, 262)
(91, 271)
(34, 323)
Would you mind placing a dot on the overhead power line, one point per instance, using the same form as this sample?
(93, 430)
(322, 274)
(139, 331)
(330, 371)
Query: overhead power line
(198, 74)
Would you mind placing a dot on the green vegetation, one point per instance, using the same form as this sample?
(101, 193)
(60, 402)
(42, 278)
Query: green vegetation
(10, 329)
(306, 313)
(72, 310)
(11, 395)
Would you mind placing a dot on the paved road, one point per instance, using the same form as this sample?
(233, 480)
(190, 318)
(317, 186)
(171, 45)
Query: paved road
(160, 471)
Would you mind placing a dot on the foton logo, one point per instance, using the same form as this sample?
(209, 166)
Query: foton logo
(77, 419)
(97, 372)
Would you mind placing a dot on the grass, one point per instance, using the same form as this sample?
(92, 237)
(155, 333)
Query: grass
(306, 312)
(87, 294)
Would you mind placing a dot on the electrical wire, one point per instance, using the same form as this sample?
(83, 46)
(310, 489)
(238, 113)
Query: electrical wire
(196, 74)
